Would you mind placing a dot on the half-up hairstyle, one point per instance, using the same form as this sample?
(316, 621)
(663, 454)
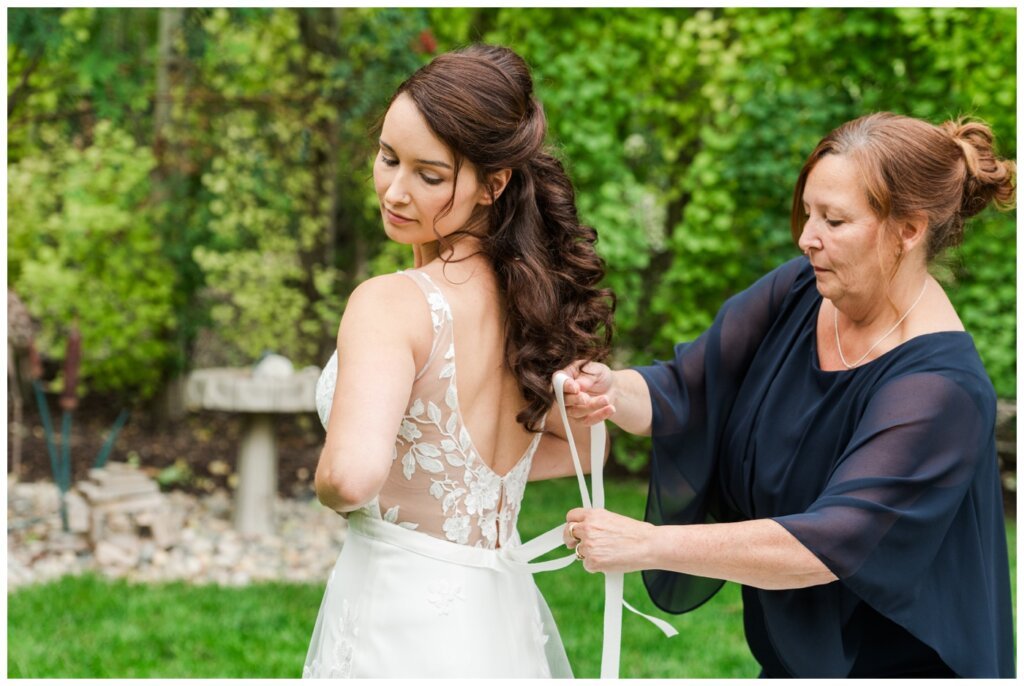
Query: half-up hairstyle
(910, 167)
(479, 102)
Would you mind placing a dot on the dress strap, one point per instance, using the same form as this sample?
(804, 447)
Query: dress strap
(440, 316)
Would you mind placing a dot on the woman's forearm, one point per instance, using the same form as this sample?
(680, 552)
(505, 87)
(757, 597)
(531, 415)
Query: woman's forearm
(632, 402)
(758, 553)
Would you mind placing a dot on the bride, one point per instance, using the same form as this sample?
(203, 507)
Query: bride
(436, 402)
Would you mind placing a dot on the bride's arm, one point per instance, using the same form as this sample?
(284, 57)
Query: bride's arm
(553, 459)
(381, 332)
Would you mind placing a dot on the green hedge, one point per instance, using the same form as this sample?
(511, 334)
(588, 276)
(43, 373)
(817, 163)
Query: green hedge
(250, 219)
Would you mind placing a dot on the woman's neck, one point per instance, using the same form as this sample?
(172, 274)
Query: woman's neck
(889, 305)
(461, 248)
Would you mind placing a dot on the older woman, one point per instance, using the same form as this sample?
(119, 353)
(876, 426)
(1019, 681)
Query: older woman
(828, 442)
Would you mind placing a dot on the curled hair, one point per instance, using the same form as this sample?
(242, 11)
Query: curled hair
(479, 102)
(910, 168)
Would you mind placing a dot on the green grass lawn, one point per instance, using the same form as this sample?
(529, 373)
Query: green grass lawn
(91, 627)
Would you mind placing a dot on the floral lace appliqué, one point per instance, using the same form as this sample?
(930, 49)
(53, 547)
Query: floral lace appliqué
(441, 594)
(538, 627)
(338, 664)
(392, 516)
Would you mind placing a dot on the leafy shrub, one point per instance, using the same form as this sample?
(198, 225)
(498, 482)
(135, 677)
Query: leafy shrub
(81, 244)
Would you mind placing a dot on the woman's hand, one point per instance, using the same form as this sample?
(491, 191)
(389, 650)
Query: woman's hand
(588, 396)
(608, 542)
(596, 393)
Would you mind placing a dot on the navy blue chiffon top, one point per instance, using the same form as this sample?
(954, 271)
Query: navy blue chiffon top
(886, 472)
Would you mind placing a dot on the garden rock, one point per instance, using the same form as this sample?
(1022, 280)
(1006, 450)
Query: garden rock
(120, 501)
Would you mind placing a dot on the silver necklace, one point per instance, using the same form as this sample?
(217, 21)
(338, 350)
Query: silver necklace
(835, 320)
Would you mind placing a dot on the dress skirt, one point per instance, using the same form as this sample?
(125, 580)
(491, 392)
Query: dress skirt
(402, 604)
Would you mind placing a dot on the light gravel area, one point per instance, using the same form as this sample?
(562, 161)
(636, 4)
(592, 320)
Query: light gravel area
(304, 549)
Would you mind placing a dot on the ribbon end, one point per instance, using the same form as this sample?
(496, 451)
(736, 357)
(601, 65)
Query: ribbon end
(665, 627)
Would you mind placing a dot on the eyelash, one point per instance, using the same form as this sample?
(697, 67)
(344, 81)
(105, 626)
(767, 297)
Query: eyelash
(427, 179)
(834, 222)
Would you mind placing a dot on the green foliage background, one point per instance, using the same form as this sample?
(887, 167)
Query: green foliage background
(231, 212)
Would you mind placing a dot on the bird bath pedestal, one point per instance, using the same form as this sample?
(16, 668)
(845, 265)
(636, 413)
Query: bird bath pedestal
(271, 387)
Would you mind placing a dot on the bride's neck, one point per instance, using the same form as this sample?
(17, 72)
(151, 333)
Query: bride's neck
(463, 247)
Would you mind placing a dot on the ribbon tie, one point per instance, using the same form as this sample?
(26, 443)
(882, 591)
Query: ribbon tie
(519, 556)
(613, 581)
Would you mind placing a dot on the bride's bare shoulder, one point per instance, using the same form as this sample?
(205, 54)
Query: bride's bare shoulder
(386, 308)
(396, 290)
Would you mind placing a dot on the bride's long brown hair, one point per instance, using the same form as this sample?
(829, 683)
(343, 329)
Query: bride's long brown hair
(479, 101)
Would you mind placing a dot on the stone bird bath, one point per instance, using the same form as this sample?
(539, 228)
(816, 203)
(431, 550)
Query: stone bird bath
(270, 387)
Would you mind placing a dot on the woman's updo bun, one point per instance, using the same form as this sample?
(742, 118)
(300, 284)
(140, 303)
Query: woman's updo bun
(987, 179)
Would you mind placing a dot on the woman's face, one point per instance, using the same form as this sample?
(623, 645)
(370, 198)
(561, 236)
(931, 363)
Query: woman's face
(842, 236)
(414, 174)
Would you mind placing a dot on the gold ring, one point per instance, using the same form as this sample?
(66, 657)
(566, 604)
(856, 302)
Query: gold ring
(578, 555)
(572, 532)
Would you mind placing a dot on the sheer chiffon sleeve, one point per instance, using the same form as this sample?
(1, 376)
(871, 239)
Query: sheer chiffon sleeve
(902, 525)
(691, 397)
(897, 486)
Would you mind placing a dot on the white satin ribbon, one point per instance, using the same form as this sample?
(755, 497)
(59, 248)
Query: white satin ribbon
(613, 581)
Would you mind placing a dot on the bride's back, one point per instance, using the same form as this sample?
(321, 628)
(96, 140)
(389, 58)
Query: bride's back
(489, 397)
(460, 460)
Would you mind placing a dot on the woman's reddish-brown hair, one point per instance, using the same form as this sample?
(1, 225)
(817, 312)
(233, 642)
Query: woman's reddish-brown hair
(479, 101)
(911, 168)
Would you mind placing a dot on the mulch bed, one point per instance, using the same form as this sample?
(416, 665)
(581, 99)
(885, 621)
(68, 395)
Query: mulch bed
(206, 442)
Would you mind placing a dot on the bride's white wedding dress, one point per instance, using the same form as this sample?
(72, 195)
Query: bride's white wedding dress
(432, 580)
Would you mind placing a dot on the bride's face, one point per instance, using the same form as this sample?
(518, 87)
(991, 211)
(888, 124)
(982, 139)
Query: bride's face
(414, 176)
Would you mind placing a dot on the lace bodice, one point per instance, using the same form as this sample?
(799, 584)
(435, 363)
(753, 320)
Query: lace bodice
(438, 484)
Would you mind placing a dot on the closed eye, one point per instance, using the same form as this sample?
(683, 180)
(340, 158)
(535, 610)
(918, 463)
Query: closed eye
(393, 162)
